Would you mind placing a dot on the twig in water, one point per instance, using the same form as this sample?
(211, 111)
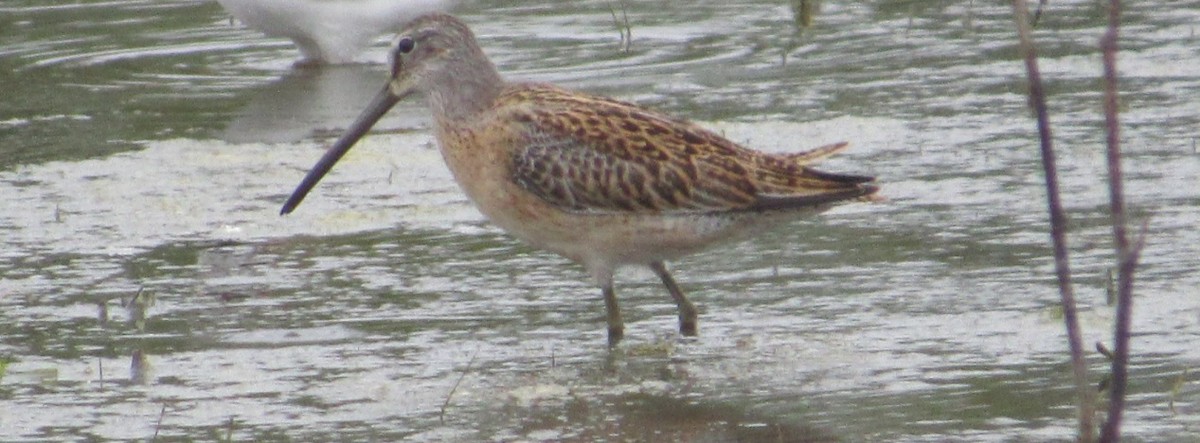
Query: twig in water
(628, 29)
(803, 12)
(1110, 288)
(1037, 15)
(624, 29)
(1105, 380)
(1037, 95)
(1127, 255)
(617, 24)
(442, 414)
(158, 425)
(102, 314)
(126, 304)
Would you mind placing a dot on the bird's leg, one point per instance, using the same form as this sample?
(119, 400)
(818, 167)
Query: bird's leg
(687, 311)
(616, 328)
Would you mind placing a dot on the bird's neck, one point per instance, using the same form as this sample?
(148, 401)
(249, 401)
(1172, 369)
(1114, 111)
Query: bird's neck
(466, 90)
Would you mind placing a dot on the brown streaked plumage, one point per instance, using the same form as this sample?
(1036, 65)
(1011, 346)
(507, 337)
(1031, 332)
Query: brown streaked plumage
(602, 182)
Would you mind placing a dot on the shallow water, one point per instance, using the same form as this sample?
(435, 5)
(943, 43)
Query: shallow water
(145, 147)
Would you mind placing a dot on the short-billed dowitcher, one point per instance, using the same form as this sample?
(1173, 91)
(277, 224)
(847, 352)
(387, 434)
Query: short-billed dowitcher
(602, 182)
(329, 31)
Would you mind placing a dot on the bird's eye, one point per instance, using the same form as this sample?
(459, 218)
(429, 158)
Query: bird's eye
(405, 45)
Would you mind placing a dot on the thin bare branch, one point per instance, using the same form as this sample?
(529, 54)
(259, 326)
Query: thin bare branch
(624, 29)
(1058, 228)
(1037, 15)
(158, 426)
(1127, 256)
(442, 414)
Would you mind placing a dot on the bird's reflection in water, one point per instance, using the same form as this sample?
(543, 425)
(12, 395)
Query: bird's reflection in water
(314, 102)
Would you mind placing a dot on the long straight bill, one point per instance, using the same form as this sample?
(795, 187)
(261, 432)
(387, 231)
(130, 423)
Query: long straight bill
(379, 105)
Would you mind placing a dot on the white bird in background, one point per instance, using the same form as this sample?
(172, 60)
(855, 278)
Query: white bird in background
(330, 31)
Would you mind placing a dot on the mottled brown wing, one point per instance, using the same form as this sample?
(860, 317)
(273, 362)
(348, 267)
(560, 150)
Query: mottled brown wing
(584, 153)
(573, 175)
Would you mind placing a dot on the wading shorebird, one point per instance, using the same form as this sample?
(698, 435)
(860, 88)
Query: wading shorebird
(602, 182)
(329, 31)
